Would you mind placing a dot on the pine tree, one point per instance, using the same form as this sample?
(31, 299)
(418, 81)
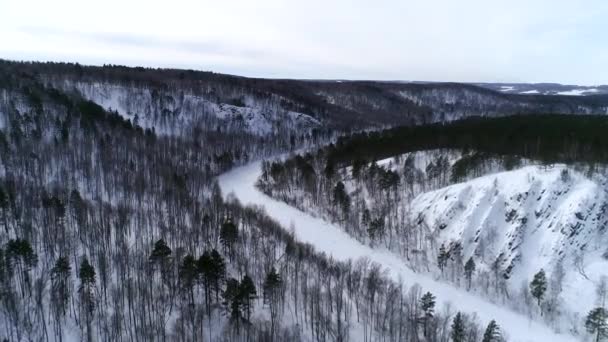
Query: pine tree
(341, 197)
(229, 234)
(469, 269)
(442, 258)
(427, 304)
(87, 272)
(188, 273)
(232, 301)
(458, 329)
(492, 333)
(218, 272)
(248, 293)
(60, 276)
(161, 253)
(376, 228)
(538, 286)
(596, 323)
(87, 284)
(204, 266)
(272, 289)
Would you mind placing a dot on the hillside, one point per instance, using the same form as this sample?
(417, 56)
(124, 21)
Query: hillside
(532, 218)
(165, 97)
(501, 198)
(114, 228)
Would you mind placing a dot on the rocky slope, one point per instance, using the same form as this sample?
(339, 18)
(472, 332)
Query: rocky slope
(527, 219)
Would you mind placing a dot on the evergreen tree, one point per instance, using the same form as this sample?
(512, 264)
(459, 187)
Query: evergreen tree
(20, 251)
(87, 273)
(492, 333)
(596, 323)
(248, 293)
(442, 258)
(538, 286)
(188, 273)
(376, 228)
(60, 276)
(87, 296)
(272, 296)
(204, 266)
(229, 234)
(218, 272)
(469, 269)
(161, 253)
(341, 198)
(427, 304)
(232, 301)
(458, 329)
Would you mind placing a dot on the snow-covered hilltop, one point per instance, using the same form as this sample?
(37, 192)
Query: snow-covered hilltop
(169, 110)
(441, 209)
(546, 89)
(533, 218)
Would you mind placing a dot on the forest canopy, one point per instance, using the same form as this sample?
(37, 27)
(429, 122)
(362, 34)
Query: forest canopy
(546, 138)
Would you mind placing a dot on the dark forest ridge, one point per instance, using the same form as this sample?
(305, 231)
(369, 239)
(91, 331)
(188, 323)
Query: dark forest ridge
(339, 104)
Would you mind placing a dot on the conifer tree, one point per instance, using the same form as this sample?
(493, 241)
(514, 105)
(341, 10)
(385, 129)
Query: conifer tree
(60, 276)
(596, 323)
(458, 329)
(228, 236)
(442, 258)
(218, 272)
(232, 301)
(204, 266)
(87, 296)
(538, 286)
(161, 253)
(492, 333)
(427, 304)
(248, 293)
(272, 297)
(469, 269)
(188, 273)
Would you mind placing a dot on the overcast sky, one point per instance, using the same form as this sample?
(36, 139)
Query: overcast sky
(433, 40)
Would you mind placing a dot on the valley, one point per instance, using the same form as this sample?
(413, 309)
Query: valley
(162, 204)
(331, 240)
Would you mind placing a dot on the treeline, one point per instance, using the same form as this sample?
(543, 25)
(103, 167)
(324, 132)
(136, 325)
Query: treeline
(340, 105)
(546, 138)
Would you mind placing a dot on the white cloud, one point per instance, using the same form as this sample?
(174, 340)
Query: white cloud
(468, 40)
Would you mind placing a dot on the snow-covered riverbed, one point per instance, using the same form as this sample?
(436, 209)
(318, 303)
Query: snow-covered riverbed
(332, 240)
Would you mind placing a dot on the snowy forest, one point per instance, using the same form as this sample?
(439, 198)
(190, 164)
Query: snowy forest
(114, 227)
(386, 190)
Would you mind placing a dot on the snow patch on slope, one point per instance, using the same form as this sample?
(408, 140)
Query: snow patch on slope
(530, 218)
(168, 111)
(578, 92)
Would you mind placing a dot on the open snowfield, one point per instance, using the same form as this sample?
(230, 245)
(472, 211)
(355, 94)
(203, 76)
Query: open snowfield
(332, 240)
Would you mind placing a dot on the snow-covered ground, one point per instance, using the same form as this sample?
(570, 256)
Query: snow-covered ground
(578, 92)
(534, 217)
(167, 111)
(330, 239)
